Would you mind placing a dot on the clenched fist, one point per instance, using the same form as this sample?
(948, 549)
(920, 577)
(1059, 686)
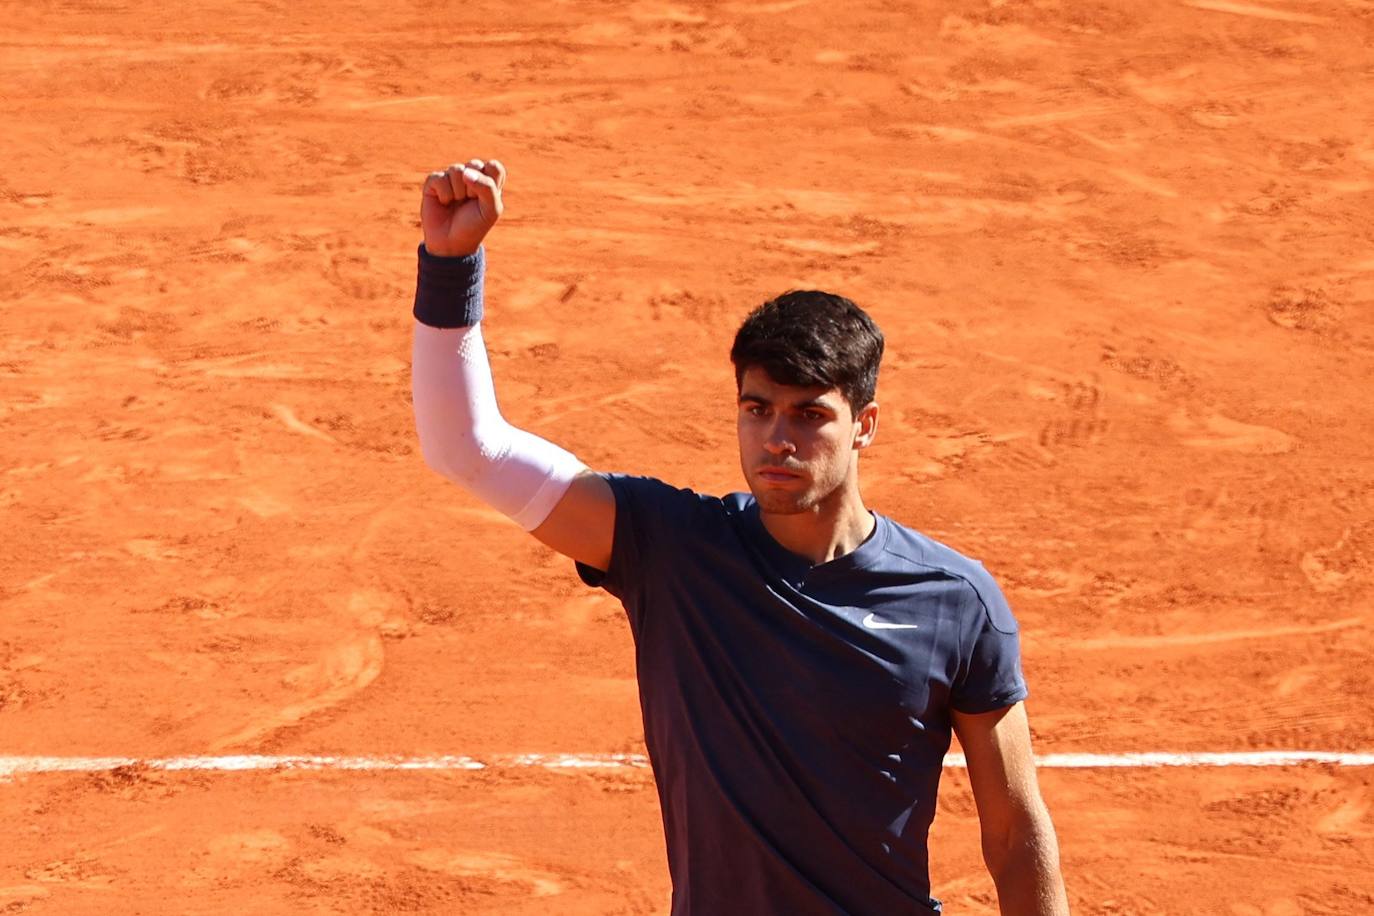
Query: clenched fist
(459, 206)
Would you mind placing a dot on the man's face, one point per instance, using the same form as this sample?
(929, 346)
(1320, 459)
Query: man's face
(797, 446)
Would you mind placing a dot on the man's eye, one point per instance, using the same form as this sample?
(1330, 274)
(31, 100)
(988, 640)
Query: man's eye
(814, 415)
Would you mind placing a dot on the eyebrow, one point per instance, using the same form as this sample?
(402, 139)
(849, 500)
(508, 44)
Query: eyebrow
(797, 405)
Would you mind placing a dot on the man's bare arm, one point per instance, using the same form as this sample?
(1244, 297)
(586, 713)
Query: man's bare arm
(462, 433)
(1019, 845)
(582, 525)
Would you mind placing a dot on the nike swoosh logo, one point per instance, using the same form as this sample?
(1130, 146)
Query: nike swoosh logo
(875, 624)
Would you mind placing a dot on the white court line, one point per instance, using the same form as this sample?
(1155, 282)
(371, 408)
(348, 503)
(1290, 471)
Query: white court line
(19, 766)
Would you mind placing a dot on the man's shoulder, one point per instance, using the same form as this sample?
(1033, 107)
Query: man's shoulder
(646, 493)
(917, 548)
(907, 545)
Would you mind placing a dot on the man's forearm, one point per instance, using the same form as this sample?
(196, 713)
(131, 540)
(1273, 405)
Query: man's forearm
(1025, 868)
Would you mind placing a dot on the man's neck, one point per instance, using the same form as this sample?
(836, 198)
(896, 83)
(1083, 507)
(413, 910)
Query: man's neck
(825, 532)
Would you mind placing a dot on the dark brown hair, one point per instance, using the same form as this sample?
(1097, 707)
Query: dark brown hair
(807, 337)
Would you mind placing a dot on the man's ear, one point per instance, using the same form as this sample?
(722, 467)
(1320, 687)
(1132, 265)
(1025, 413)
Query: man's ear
(867, 421)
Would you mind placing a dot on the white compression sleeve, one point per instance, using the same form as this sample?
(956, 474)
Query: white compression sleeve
(464, 437)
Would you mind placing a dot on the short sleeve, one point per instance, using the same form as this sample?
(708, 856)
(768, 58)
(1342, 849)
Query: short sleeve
(647, 519)
(990, 673)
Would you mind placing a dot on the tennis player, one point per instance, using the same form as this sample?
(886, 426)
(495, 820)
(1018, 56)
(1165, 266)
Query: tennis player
(802, 659)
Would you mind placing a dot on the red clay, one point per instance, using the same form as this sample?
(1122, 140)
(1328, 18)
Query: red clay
(1121, 254)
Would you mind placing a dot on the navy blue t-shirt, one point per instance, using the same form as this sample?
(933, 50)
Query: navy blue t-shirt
(797, 716)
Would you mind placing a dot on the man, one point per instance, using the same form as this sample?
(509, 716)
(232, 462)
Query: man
(801, 659)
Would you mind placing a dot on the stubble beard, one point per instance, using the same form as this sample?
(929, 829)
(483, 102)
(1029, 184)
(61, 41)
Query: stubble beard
(793, 502)
(775, 503)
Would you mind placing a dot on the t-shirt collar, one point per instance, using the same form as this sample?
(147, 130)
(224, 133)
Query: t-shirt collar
(794, 567)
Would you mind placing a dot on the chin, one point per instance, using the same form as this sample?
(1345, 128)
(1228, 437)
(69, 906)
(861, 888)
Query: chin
(775, 502)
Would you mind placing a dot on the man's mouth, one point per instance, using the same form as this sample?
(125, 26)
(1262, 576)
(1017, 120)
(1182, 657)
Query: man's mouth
(778, 474)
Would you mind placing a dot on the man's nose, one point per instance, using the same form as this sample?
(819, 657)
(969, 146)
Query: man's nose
(778, 442)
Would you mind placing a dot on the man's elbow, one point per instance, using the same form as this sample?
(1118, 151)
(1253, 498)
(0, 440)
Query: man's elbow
(1025, 839)
(460, 455)
(1022, 856)
(436, 457)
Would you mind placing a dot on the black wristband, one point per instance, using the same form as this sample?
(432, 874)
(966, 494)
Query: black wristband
(448, 291)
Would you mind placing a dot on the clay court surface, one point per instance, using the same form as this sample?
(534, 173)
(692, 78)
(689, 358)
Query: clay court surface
(1122, 254)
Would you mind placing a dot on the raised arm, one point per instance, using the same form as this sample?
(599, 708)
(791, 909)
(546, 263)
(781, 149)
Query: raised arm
(463, 436)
